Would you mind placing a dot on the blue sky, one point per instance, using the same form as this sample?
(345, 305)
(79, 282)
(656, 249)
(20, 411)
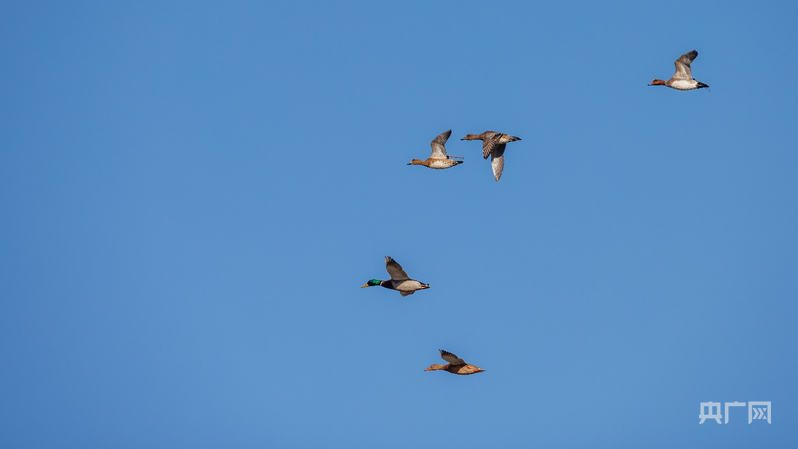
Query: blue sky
(194, 192)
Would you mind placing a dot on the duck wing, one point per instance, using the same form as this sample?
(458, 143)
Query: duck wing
(497, 160)
(395, 270)
(406, 293)
(683, 70)
(437, 144)
(490, 140)
(451, 358)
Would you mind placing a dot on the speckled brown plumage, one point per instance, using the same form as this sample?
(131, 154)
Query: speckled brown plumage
(493, 145)
(456, 365)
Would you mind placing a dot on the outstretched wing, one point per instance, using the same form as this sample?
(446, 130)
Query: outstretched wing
(395, 270)
(438, 145)
(683, 70)
(497, 161)
(490, 142)
(451, 358)
(406, 293)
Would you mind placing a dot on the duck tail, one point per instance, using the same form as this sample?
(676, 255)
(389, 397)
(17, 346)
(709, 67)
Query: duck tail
(700, 85)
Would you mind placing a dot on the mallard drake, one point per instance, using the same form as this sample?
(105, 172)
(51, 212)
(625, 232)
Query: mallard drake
(493, 144)
(399, 281)
(438, 159)
(683, 78)
(456, 365)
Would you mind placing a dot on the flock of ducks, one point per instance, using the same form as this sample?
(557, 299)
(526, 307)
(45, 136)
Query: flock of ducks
(493, 145)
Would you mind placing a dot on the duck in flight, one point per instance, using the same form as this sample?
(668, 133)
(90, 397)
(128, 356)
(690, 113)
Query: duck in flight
(683, 78)
(456, 365)
(493, 144)
(438, 159)
(399, 280)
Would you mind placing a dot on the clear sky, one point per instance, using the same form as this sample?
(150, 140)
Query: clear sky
(192, 194)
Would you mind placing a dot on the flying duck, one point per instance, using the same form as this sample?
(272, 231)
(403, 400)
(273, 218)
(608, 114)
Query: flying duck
(399, 281)
(456, 365)
(493, 144)
(683, 78)
(438, 159)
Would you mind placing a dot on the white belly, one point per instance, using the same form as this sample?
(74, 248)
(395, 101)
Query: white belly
(684, 84)
(408, 286)
(440, 163)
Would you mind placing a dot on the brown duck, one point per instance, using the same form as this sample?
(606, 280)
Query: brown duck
(683, 78)
(438, 159)
(493, 145)
(456, 365)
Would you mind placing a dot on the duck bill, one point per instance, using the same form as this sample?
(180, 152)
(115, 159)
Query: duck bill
(365, 285)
